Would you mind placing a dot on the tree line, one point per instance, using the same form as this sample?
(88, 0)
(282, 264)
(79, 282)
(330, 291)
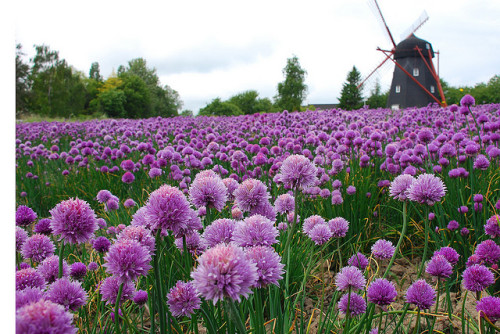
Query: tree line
(48, 86)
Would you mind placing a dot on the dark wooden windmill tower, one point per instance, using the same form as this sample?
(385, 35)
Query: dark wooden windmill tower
(415, 82)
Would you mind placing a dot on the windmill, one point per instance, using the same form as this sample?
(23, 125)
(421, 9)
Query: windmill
(415, 81)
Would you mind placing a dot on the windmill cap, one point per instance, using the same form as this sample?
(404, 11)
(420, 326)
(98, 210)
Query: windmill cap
(407, 48)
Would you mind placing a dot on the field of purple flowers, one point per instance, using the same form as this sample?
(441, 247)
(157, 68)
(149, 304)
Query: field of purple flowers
(367, 221)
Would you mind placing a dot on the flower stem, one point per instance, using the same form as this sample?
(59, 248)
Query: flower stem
(398, 245)
(117, 307)
(60, 274)
(426, 244)
(158, 281)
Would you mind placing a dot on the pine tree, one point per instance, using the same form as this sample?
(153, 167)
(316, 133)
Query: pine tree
(350, 97)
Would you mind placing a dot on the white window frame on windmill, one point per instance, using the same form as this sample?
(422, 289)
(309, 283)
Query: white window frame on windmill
(416, 72)
(398, 89)
(433, 89)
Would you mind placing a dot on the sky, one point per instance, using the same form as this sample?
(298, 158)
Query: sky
(209, 49)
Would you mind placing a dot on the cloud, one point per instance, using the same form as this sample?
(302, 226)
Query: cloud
(210, 57)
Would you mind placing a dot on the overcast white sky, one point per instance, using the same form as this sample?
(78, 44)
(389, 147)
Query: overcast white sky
(208, 49)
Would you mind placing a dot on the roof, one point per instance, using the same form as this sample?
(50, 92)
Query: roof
(407, 48)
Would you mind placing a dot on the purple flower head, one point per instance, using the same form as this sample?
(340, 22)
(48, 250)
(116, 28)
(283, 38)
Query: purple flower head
(464, 231)
(453, 225)
(284, 203)
(320, 234)
(339, 227)
(425, 135)
(221, 230)
(256, 230)
(449, 253)
(25, 215)
(481, 162)
(183, 299)
(29, 277)
(282, 226)
(101, 223)
(208, 190)
(224, 271)
(103, 196)
(269, 267)
(251, 194)
(467, 100)
(489, 306)
(167, 209)
(381, 292)
(43, 227)
(477, 278)
(44, 316)
(78, 270)
(439, 267)
(139, 234)
(266, 210)
(351, 190)
(21, 237)
(101, 244)
(310, 222)
(128, 178)
(472, 260)
(129, 203)
(49, 269)
(427, 189)
(28, 296)
(231, 185)
(127, 165)
(112, 205)
(298, 172)
(74, 221)
(140, 297)
(492, 226)
(350, 277)
(487, 251)
(155, 172)
(69, 294)
(109, 290)
(383, 249)
(93, 266)
(194, 243)
(421, 294)
(359, 261)
(38, 247)
(357, 304)
(127, 260)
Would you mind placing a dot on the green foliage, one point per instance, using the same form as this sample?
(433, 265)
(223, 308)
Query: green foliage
(293, 91)
(22, 82)
(220, 108)
(137, 97)
(112, 102)
(377, 99)
(350, 97)
(483, 93)
(249, 103)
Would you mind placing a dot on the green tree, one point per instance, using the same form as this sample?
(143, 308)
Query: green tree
(57, 89)
(22, 82)
(377, 99)
(293, 91)
(95, 72)
(137, 97)
(350, 96)
(164, 100)
(250, 103)
(220, 108)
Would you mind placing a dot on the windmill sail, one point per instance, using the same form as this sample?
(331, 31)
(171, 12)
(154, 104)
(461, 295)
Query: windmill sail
(415, 26)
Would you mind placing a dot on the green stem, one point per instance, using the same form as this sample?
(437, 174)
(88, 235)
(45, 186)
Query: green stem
(117, 307)
(61, 260)
(417, 326)
(426, 244)
(158, 281)
(463, 311)
(348, 313)
(400, 241)
(234, 315)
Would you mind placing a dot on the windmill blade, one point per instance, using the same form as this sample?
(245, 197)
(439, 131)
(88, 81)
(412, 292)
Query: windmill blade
(378, 13)
(376, 72)
(415, 26)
